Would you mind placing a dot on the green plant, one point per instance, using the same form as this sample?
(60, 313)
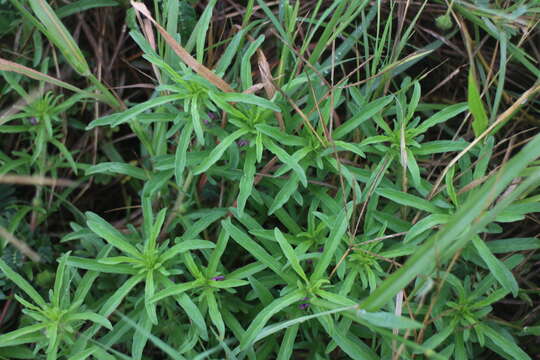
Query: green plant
(284, 188)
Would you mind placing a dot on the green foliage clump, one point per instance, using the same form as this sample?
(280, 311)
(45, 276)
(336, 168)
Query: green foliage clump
(286, 201)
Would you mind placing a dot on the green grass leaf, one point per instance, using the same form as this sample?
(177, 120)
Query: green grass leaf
(59, 35)
(218, 151)
(289, 253)
(21, 283)
(110, 234)
(476, 106)
(497, 268)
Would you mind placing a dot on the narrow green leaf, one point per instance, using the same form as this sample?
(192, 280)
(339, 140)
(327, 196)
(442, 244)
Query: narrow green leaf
(180, 158)
(250, 99)
(509, 347)
(90, 316)
(388, 320)
(83, 5)
(60, 36)
(476, 106)
(256, 250)
(368, 111)
(284, 194)
(215, 314)
(338, 230)
(6, 339)
(287, 159)
(246, 182)
(408, 200)
(289, 253)
(110, 234)
(218, 151)
(287, 344)
(173, 290)
(118, 296)
(280, 136)
(117, 168)
(460, 228)
(21, 283)
(496, 267)
(447, 113)
(125, 116)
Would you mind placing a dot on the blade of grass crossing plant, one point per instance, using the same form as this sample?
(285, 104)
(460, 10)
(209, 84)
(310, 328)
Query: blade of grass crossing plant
(110, 234)
(272, 329)
(266, 314)
(287, 159)
(246, 182)
(58, 34)
(218, 151)
(284, 194)
(287, 344)
(336, 235)
(476, 106)
(181, 153)
(496, 267)
(425, 258)
(289, 253)
(21, 283)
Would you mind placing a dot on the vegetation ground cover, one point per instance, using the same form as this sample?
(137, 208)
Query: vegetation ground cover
(220, 179)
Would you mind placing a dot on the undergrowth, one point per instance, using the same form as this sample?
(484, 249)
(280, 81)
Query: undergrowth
(317, 179)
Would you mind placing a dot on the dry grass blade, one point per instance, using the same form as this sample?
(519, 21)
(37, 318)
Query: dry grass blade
(20, 245)
(182, 53)
(35, 180)
(500, 119)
